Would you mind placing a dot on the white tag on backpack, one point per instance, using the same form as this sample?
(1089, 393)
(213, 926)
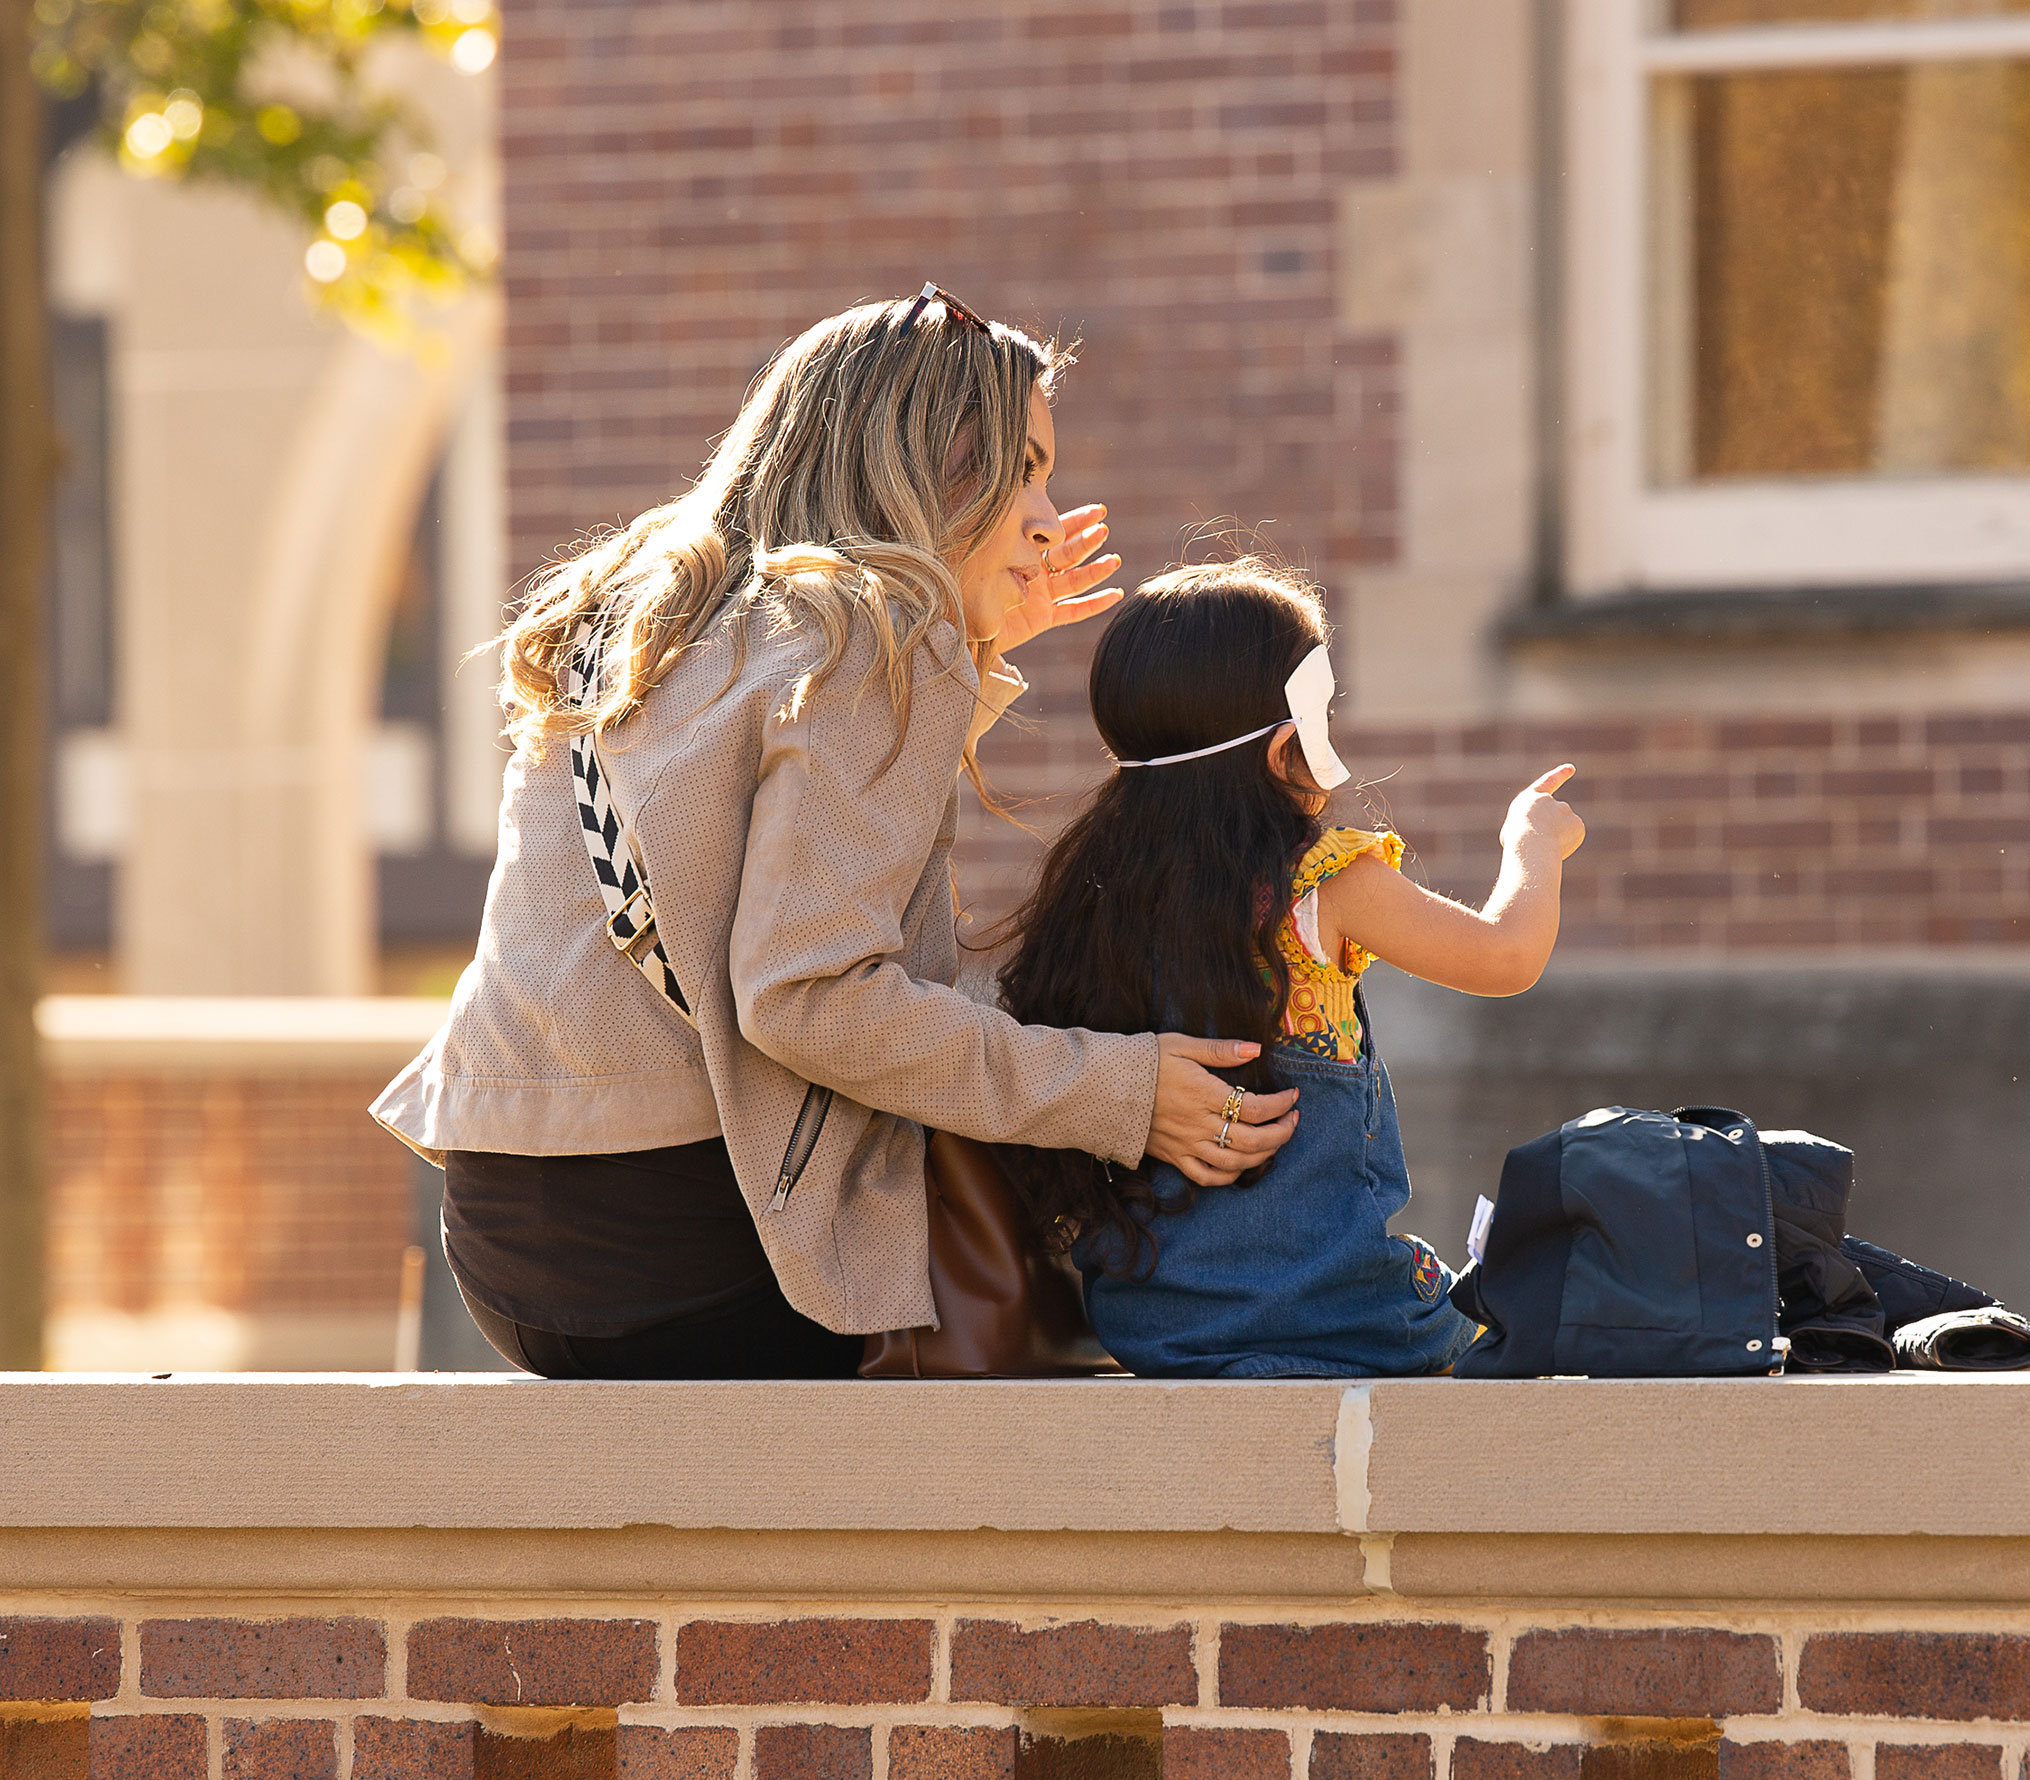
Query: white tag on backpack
(1476, 1235)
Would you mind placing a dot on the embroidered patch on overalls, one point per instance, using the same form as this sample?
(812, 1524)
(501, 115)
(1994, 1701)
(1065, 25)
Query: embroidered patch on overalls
(1427, 1272)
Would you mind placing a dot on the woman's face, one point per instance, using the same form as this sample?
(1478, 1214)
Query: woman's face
(997, 577)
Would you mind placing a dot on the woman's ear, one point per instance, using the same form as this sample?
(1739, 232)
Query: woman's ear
(961, 477)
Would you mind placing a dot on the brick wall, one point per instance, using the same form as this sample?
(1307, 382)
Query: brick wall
(1738, 833)
(689, 185)
(243, 1193)
(136, 1693)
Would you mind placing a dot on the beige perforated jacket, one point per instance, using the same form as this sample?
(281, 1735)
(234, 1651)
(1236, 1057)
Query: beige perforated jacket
(805, 900)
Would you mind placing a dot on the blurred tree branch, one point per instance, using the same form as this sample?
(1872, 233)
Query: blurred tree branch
(274, 96)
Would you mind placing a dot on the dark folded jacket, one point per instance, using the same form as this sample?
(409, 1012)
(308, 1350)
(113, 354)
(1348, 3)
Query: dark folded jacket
(1938, 1323)
(1828, 1310)
(1907, 1291)
(1985, 1339)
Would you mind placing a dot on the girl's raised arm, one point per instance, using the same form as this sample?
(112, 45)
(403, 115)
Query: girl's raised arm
(1500, 948)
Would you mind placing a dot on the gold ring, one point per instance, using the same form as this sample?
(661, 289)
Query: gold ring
(1232, 1110)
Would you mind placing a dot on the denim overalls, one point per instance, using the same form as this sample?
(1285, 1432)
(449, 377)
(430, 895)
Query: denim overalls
(1297, 1275)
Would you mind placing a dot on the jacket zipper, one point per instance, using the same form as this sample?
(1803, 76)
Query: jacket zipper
(803, 1142)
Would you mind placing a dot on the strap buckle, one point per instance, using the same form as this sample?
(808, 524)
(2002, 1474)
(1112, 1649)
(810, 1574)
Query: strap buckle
(636, 945)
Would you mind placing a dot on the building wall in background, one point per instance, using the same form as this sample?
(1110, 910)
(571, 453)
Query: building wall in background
(1763, 765)
(240, 504)
(689, 186)
(1315, 254)
(219, 1199)
(1742, 832)
(223, 1221)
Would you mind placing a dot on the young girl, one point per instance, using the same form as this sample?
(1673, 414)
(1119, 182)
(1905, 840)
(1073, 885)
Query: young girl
(1198, 892)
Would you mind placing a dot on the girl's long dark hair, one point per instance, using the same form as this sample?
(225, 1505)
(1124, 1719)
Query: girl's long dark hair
(1156, 909)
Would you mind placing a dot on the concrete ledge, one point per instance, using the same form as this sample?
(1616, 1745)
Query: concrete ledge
(493, 1451)
(1902, 1454)
(1866, 1458)
(233, 1034)
(1761, 614)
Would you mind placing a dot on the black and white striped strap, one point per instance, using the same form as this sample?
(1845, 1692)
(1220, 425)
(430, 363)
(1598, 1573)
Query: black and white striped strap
(623, 885)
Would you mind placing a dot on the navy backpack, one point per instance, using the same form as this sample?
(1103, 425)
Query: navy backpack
(1628, 1245)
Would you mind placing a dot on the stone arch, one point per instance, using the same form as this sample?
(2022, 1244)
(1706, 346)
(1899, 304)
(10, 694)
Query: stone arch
(370, 440)
(268, 470)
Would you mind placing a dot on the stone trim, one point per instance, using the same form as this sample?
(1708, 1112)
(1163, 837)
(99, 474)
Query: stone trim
(1733, 615)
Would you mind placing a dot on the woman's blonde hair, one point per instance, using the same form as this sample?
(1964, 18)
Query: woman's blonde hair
(868, 461)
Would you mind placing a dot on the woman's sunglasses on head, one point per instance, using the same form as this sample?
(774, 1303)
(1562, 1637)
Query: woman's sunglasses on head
(953, 307)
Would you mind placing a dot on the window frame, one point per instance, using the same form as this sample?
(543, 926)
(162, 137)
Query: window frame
(1623, 534)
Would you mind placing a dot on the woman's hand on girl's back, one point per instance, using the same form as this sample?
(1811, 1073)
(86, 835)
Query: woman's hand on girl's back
(1191, 1108)
(1063, 594)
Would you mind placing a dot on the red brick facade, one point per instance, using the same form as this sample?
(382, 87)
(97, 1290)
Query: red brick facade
(618, 1697)
(688, 185)
(1738, 833)
(256, 1193)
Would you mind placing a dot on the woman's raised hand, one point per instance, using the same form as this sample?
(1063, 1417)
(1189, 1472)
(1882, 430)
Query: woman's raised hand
(1062, 593)
(1191, 1109)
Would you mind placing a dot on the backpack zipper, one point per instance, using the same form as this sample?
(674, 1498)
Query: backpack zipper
(803, 1141)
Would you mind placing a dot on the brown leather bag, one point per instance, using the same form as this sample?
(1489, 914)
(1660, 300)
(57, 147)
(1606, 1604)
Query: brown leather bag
(1003, 1311)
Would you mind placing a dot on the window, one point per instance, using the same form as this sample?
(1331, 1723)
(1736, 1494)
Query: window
(1798, 285)
(88, 793)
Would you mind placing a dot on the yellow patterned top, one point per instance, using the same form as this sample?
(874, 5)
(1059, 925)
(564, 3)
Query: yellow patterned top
(1320, 1015)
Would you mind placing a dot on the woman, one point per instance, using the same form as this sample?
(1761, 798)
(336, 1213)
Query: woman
(782, 699)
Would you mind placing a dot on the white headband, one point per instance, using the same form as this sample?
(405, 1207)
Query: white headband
(1308, 692)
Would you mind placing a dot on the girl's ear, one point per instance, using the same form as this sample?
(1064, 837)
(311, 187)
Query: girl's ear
(1289, 768)
(1279, 757)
